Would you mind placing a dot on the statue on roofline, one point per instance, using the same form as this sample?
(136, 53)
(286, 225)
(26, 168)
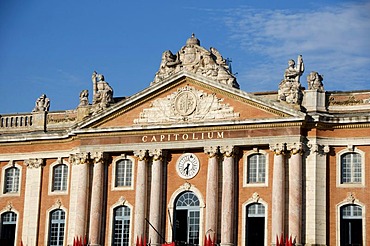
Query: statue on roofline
(290, 89)
(314, 80)
(102, 92)
(42, 104)
(195, 59)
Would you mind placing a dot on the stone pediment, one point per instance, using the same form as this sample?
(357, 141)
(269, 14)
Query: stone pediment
(184, 105)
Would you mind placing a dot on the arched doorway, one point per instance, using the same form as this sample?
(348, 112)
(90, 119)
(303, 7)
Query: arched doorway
(8, 228)
(351, 225)
(255, 225)
(186, 219)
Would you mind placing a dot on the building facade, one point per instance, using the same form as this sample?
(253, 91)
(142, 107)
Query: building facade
(189, 157)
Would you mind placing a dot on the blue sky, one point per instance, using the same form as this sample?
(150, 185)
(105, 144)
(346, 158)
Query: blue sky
(52, 47)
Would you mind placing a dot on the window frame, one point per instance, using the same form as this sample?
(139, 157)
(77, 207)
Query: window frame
(51, 178)
(114, 173)
(49, 220)
(10, 165)
(121, 202)
(246, 159)
(339, 157)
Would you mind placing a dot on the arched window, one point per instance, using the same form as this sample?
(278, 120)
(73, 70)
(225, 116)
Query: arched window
(256, 169)
(123, 173)
(351, 225)
(351, 168)
(56, 228)
(11, 184)
(60, 177)
(187, 219)
(121, 226)
(255, 224)
(8, 228)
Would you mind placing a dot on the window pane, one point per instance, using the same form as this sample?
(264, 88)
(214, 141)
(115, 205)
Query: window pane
(256, 168)
(124, 172)
(121, 227)
(351, 168)
(56, 227)
(60, 175)
(11, 180)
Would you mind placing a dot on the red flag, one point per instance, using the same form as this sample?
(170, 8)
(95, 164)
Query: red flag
(144, 241)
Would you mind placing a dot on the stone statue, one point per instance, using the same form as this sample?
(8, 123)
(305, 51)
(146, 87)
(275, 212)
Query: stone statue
(290, 89)
(103, 93)
(42, 104)
(314, 80)
(84, 98)
(196, 59)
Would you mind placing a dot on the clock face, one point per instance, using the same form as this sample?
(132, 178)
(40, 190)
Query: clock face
(187, 166)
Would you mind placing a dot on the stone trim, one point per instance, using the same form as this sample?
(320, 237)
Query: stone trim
(339, 169)
(51, 178)
(10, 164)
(245, 168)
(114, 162)
(57, 205)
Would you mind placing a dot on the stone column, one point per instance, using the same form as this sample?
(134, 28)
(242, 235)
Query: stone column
(96, 199)
(77, 219)
(316, 194)
(278, 192)
(31, 211)
(228, 195)
(155, 215)
(295, 191)
(212, 192)
(140, 194)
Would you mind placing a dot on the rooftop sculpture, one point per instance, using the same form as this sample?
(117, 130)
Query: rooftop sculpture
(196, 59)
(290, 89)
(103, 93)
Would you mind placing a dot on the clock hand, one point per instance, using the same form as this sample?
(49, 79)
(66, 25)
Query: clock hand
(187, 168)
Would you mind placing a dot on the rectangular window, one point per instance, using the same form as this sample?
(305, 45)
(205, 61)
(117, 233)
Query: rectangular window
(11, 180)
(351, 168)
(123, 173)
(256, 169)
(60, 176)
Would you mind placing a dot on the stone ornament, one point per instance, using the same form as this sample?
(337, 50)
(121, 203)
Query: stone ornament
(290, 89)
(228, 151)
(79, 158)
(157, 154)
(196, 59)
(212, 151)
(314, 80)
(140, 154)
(84, 98)
(186, 104)
(103, 93)
(34, 163)
(42, 104)
(278, 148)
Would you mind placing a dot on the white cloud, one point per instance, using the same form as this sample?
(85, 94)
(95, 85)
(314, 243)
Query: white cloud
(334, 41)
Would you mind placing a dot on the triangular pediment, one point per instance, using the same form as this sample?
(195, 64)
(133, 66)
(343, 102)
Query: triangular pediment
(185, 99)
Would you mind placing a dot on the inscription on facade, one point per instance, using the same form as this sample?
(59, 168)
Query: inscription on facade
(182, 136)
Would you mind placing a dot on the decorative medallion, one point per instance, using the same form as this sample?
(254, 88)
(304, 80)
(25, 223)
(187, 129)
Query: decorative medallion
(187, 166)
(185, 103)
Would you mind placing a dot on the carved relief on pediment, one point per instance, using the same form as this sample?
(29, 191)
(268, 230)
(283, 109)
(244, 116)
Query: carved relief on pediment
(187, 104)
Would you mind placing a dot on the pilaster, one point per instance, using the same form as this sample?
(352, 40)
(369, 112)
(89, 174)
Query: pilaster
(316, 194)
(32, 198)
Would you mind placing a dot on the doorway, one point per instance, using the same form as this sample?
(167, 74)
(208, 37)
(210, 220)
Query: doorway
(255, 225)
(186, 218)
(351, 225)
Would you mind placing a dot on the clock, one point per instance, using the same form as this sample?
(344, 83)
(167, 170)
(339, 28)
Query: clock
(187, 166)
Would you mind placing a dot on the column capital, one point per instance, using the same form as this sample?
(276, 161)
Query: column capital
(228, 150)
(212, 151)
(157, 154)
(79, 158)
(34, 163)
(141, 154)
(295, 148)
(98, 157)
(318, 148)
(278, 148)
